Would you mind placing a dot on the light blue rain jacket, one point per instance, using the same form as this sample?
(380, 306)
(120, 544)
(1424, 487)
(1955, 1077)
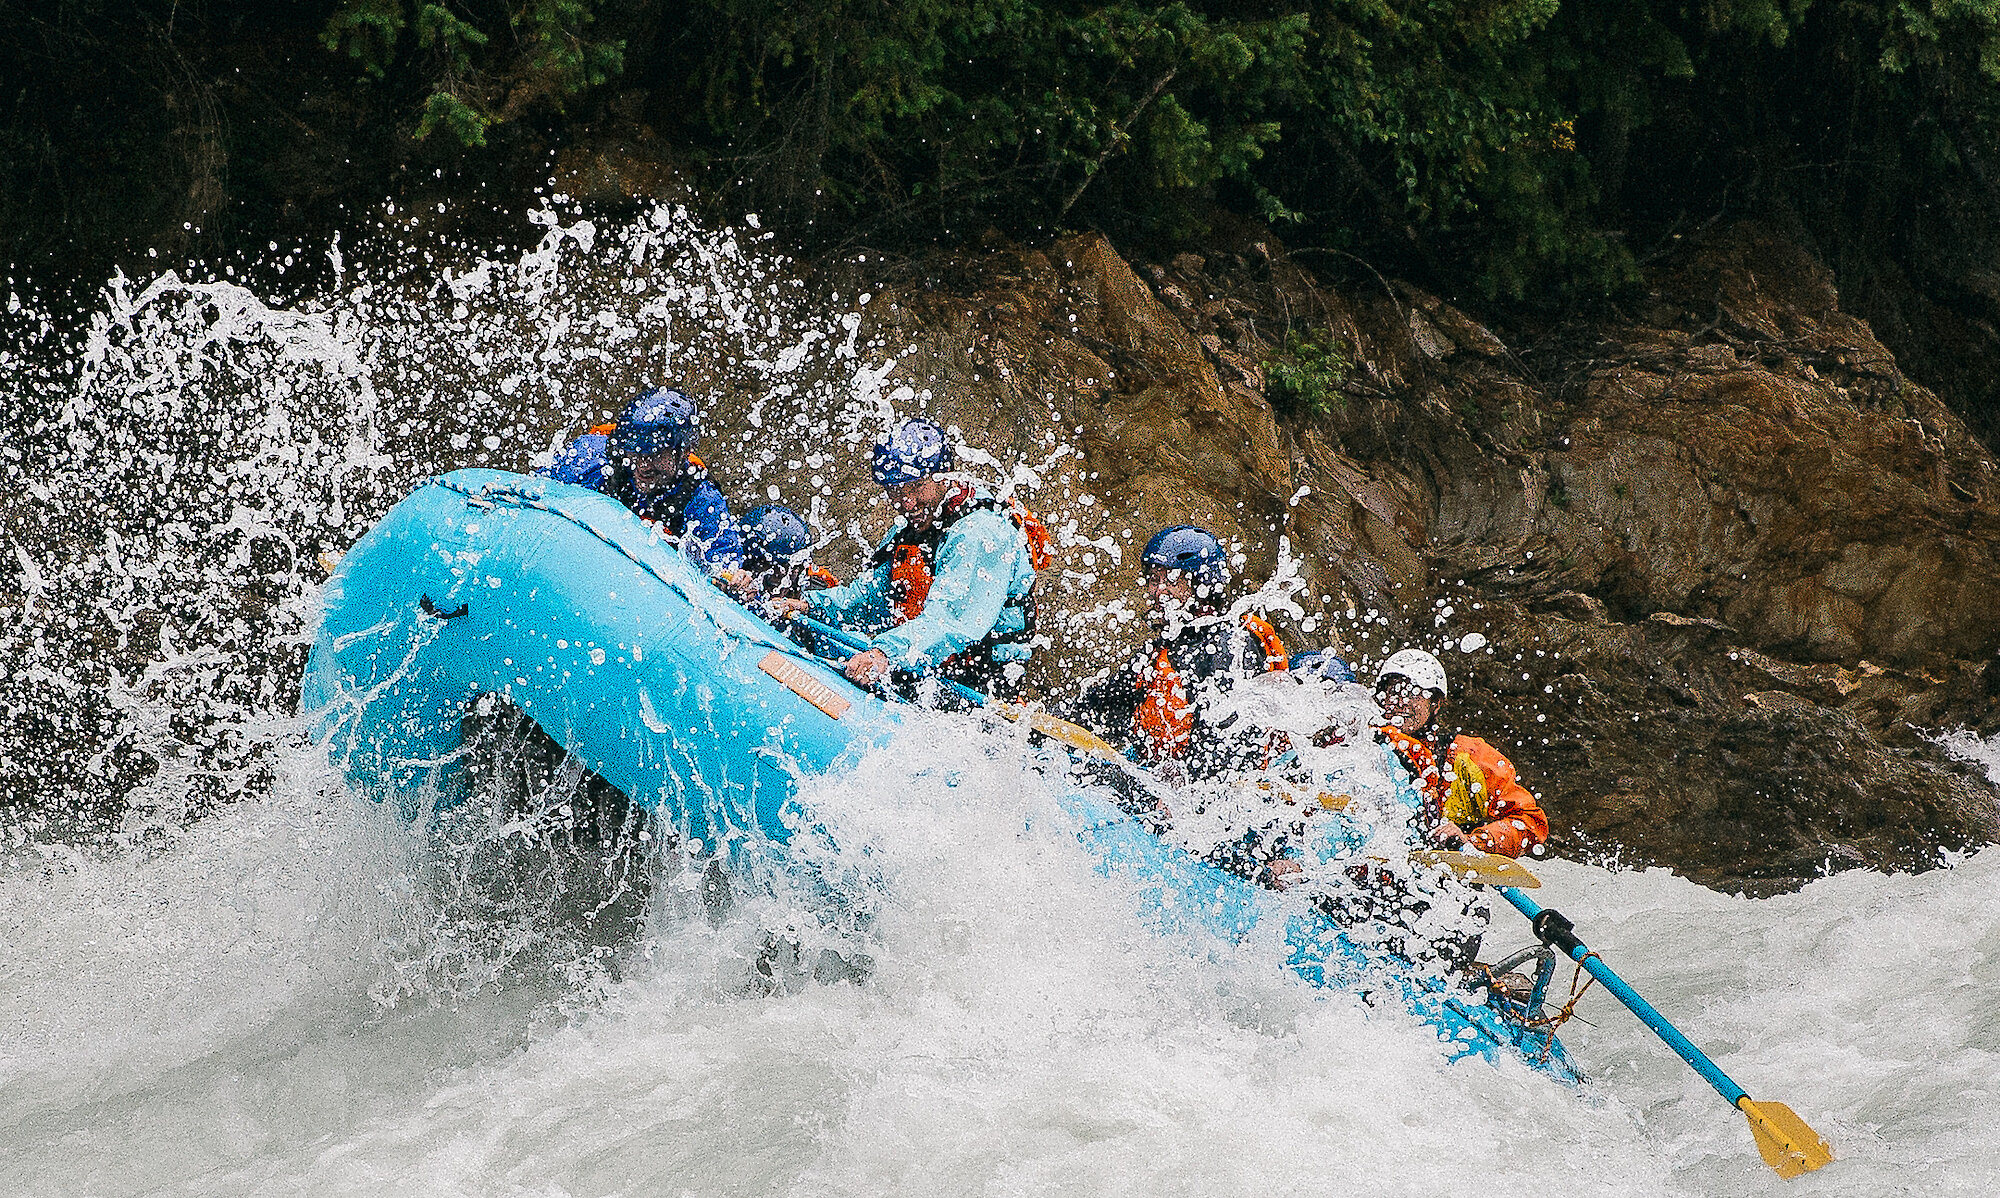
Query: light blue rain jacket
(982, 563)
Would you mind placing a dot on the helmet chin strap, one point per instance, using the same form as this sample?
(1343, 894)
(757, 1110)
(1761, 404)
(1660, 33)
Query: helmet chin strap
(957, 491)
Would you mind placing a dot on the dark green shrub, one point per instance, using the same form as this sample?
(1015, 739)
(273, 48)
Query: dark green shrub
(1306, 380)
(492, 64)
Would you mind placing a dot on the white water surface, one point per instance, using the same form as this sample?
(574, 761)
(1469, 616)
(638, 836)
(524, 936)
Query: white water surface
(235, 1015)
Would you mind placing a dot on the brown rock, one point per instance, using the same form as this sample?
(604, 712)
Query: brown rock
(1723, 567)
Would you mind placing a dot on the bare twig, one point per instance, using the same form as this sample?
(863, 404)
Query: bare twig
(1118, 139)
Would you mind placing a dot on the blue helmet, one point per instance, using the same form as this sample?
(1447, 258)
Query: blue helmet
(1185, 547)
(661, 420)
(1323, 664)
(917, 449)
(773, 534)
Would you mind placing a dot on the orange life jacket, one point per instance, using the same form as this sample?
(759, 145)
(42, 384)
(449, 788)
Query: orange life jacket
(912, 556)
(1479, 792)
(1163, 722)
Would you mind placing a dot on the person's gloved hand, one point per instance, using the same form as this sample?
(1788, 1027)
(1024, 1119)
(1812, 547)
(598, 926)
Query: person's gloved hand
(1448, 835)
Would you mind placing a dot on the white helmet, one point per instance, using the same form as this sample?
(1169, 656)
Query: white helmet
(1416, 665)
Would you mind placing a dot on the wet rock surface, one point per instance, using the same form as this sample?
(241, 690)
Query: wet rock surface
(1733, 568)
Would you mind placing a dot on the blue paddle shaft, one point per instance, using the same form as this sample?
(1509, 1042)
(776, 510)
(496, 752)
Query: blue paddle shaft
(860, 645)
(1582, 955)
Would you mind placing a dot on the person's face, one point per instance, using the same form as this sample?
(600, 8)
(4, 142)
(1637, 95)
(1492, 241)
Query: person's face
(778, 580)
(918, 503)
(655, 472)
(1169, 595)
(1407, 705)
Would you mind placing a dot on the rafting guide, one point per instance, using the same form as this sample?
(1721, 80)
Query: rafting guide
(1472, 796)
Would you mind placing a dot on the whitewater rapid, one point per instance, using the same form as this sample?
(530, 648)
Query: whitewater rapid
(269, 1006)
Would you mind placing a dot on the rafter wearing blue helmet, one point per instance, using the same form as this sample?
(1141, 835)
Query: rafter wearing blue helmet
(951, 587)
(1158, 703)
(777, 553)
(645, 460)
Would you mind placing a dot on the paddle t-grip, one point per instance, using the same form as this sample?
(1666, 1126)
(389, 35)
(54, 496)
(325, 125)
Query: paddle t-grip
(1552, 929)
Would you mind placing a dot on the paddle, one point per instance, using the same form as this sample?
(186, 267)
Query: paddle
(1783, 1139)
(1487, 869)
(1472, 866)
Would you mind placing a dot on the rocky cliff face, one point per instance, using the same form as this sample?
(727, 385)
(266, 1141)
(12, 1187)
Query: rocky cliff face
(1732, 568)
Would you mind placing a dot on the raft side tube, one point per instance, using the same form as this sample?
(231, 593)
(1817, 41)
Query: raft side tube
(562, 602)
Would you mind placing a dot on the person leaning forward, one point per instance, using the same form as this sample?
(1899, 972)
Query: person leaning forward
(951, 587)
(1472, 795)
(1159, 703)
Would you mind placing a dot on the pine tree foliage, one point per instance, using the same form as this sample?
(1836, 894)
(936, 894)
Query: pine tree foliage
(480, 64)
(1535, 149)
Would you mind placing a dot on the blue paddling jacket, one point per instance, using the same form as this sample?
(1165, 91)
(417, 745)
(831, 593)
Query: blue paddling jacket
(693, 511)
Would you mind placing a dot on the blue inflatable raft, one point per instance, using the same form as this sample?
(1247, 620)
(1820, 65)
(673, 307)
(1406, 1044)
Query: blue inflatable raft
(562, 602)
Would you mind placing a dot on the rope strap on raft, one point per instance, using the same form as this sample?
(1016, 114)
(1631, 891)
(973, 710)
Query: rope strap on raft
(1549, 1023)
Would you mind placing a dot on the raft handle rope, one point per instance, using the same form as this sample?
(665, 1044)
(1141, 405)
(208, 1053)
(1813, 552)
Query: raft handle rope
(1564, 1013)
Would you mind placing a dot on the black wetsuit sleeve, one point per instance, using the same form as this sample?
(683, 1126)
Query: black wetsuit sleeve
(1107, 705)
(1211, 659)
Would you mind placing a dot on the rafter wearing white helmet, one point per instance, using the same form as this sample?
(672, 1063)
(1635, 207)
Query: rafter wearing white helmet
(1419, 667)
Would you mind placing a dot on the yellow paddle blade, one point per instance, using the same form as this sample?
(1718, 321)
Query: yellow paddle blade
(1076, 736)
(1489, 869)
(1783, 1139)
(1331, 802)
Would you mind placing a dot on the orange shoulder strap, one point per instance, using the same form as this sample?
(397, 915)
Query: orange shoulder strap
(1041, 547)
(909, 582)
(1163, 722)
(1275, 657)
(1417, 755)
